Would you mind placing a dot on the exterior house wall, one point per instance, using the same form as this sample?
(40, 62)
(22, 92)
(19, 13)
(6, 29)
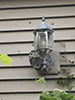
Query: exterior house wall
(18, 19)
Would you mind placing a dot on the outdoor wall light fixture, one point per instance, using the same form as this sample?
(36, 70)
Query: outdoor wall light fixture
(41, 58)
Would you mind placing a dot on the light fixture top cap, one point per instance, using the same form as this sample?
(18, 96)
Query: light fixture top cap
(43, 26)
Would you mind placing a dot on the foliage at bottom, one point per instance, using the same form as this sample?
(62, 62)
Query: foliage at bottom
(55, 95)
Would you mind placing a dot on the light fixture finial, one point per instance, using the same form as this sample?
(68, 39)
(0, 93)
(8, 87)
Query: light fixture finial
(43, 18)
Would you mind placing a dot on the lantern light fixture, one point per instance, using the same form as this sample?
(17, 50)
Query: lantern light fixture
(41, 58)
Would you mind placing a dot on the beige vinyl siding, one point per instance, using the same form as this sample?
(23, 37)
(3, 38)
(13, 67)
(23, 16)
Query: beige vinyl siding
(24, 86)
(18, 19)
(21, 73)
(27, 36)
(34, 3)
(32, 24)
(20, 96)
(23, 59)
(37, 12)
(23, 47)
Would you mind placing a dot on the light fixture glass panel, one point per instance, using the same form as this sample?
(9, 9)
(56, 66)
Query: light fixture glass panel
(42, 40)
(51, 42)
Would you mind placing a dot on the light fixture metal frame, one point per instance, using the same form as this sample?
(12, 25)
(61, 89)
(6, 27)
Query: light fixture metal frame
(40, 58)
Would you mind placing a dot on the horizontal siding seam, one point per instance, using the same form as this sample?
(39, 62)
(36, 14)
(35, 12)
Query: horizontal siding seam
(28, 92)
(21, 42)
(33, 7)
(23, 30)
(12, 67)
(33, 79)
(26, 54)
(36, 18)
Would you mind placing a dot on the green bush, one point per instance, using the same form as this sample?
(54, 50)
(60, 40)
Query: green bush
(55, 95)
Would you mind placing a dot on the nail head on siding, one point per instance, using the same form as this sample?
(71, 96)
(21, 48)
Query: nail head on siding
(52, 23)
(18, 50)
(29, 22)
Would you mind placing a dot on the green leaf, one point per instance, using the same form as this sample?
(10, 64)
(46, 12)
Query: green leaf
(67, 96)
(72, 76)
(45, 96)
(62, 95)
(5, 59)
(70, 88)
(57, 92)
(61, 80)
(42, 80)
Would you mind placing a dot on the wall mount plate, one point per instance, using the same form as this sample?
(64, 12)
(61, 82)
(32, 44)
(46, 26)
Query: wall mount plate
(56, 67)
